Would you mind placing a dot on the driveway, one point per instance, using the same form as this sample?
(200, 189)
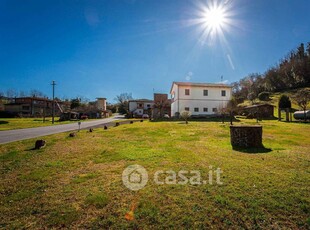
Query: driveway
(8, 136)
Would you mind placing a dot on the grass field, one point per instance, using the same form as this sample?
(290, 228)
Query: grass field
(23, 123)
(77, 182)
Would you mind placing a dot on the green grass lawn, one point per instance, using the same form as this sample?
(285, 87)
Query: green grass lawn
(22, 123)
(77, 182)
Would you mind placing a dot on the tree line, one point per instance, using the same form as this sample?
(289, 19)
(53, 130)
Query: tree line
(12, 93)
(292, 72)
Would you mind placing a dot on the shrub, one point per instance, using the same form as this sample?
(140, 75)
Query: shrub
(264, 96)
(185, 115)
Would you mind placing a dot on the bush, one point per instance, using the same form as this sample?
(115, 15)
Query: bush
(185, 115)
(264, 96)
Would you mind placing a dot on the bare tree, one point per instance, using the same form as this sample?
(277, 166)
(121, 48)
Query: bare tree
(122, 102)
(161, 105)
(36, 93)
(123, 97)
(222, 111)
(302, 98)
(185, 115)
(22, 93)
(11, 93)
(232, 108)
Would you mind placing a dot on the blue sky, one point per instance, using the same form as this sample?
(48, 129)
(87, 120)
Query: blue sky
(104, 48)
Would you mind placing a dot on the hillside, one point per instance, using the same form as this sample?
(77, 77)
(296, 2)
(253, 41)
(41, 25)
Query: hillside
(274, 99)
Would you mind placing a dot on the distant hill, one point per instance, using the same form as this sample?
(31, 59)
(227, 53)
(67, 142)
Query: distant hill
(291, 72)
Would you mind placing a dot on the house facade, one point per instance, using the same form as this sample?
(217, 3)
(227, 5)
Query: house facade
(34, 106)
(31, 106)
(201, 99)
(162, 105)
(139, 107)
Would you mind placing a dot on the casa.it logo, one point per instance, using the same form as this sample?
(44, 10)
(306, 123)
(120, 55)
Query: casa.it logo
(135, 177)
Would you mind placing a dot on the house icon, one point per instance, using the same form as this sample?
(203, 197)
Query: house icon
(135, 177)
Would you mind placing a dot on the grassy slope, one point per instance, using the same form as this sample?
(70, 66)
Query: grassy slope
(22, 123)
(77, 181)
(275, 100)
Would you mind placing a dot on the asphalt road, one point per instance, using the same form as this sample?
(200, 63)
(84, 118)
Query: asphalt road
(8, 136)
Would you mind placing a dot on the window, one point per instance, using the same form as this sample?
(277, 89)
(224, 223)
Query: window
(223, 93)
(205, 109)
(187, 92)
(186, 108)
(205, 92)
(196, 109)
(140, 105)
(25, 107)
(148, 105)
(214, 110)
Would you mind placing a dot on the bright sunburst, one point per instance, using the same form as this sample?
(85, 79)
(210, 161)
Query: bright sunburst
(214, 19)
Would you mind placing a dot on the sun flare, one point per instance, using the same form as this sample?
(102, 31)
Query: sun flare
(214, 18)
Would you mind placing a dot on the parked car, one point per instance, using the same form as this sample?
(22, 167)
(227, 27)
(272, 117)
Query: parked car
(84, 117)
(166, 116)
(145, 116)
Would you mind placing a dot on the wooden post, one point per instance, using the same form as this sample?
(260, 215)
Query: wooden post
(287, 114)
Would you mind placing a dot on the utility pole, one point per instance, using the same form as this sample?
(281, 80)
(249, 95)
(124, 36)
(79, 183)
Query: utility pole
(53, 112)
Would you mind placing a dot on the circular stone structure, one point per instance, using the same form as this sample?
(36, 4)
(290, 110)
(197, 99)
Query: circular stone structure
(246, 136)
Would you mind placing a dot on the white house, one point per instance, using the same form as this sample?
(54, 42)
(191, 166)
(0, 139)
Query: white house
(201, 99)
(139, 107)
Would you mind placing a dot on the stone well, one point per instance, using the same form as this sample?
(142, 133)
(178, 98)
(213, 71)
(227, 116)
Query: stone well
(246, 136)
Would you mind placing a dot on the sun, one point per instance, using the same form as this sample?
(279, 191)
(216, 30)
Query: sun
(214, 18)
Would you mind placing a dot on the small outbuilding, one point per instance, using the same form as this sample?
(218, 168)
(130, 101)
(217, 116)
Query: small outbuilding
(258, 111)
